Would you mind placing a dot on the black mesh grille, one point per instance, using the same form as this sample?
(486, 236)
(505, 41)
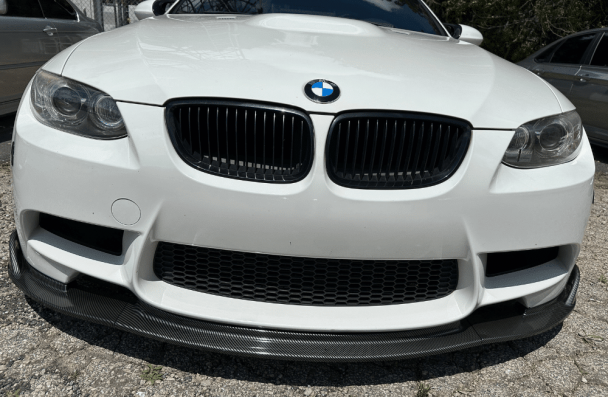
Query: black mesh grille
(242, 140)
(394, 150)
(304, 281)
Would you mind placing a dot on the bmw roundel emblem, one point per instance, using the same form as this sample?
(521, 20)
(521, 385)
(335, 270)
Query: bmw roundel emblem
(322, 91)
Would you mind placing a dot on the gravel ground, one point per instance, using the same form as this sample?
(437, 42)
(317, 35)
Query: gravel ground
(43, 353)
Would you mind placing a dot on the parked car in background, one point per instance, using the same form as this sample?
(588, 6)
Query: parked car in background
(31, 33)
(577, 65)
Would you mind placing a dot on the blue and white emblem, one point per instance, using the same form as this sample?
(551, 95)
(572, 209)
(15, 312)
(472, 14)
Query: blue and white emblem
(322, 91)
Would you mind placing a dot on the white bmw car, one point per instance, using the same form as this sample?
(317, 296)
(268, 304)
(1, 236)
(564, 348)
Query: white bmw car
(324, 180)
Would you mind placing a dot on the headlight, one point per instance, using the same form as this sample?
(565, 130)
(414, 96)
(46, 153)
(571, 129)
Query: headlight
(76, 108)
(547, 141)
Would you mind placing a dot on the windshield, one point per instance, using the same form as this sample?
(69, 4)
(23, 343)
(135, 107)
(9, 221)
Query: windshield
(399, 14)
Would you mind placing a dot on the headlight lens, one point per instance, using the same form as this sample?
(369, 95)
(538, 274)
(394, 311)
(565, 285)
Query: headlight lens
(76, 108)
(547, 141)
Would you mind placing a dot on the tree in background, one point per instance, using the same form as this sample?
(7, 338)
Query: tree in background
(514, 29)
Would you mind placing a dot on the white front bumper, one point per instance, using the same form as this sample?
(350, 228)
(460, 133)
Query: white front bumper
(485, 207)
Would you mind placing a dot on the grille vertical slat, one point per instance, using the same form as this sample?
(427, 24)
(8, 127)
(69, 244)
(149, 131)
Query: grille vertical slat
(180, 116)
(190, 131)
(255, 142)
(302, 144)
(283, 145)
(337, 158)
(371, 163)
(236, 140)
(293, 124)
(427, 153)
(246, 159)
(247, 141)
(433, 164)
(264, 146)
(382, 151)
(451, 149)
(399, 150)
(198, 127)
(226, 132)
(346, 147)
(444, 150)
(416, 168)
(410, 150)
(390, 156)
(274, 129)
(208, 139)
(356, 148)
(364, 150)
(217, 129)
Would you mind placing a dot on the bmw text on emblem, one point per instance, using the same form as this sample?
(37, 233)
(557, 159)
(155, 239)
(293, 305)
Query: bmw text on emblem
(322, 91)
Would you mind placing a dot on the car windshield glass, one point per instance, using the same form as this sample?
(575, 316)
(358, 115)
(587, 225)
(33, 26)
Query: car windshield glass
(399, 14)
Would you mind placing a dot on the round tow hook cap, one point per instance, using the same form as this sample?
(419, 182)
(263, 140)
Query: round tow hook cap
(126, 212)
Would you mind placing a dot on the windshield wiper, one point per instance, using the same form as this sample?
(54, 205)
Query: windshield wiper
(230, 8)
(379, 24)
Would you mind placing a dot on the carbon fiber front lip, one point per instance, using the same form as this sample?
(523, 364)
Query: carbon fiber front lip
(119, 308)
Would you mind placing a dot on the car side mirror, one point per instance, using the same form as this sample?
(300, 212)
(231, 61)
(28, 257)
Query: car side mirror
(465, 33)
(3, 7)
(143, 10)
(159, 7)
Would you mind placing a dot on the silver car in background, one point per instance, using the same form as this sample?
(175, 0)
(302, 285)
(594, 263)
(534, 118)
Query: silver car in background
(577, 65)
(31, 33)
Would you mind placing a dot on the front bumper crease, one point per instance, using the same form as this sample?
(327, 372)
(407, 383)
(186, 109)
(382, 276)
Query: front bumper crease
(104, 303)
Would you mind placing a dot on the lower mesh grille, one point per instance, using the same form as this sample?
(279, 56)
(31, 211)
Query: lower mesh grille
(304, 281)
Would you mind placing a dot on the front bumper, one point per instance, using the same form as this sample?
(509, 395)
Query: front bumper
(117, 307)
(485, 207)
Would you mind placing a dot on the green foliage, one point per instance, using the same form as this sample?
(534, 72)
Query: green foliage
(423, 390)
(152, 373)
(74, 375)
(514, 29)
(15, 393)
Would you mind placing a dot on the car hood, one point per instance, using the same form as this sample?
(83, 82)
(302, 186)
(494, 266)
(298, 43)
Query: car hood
(271, 57)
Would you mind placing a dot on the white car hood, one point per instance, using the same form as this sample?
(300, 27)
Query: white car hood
(271, 57)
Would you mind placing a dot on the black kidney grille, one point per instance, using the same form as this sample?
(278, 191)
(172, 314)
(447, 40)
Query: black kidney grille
(304, 281)
(242, 140)
(394, 150)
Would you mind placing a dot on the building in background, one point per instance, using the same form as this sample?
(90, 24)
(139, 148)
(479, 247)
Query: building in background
(109, 13)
